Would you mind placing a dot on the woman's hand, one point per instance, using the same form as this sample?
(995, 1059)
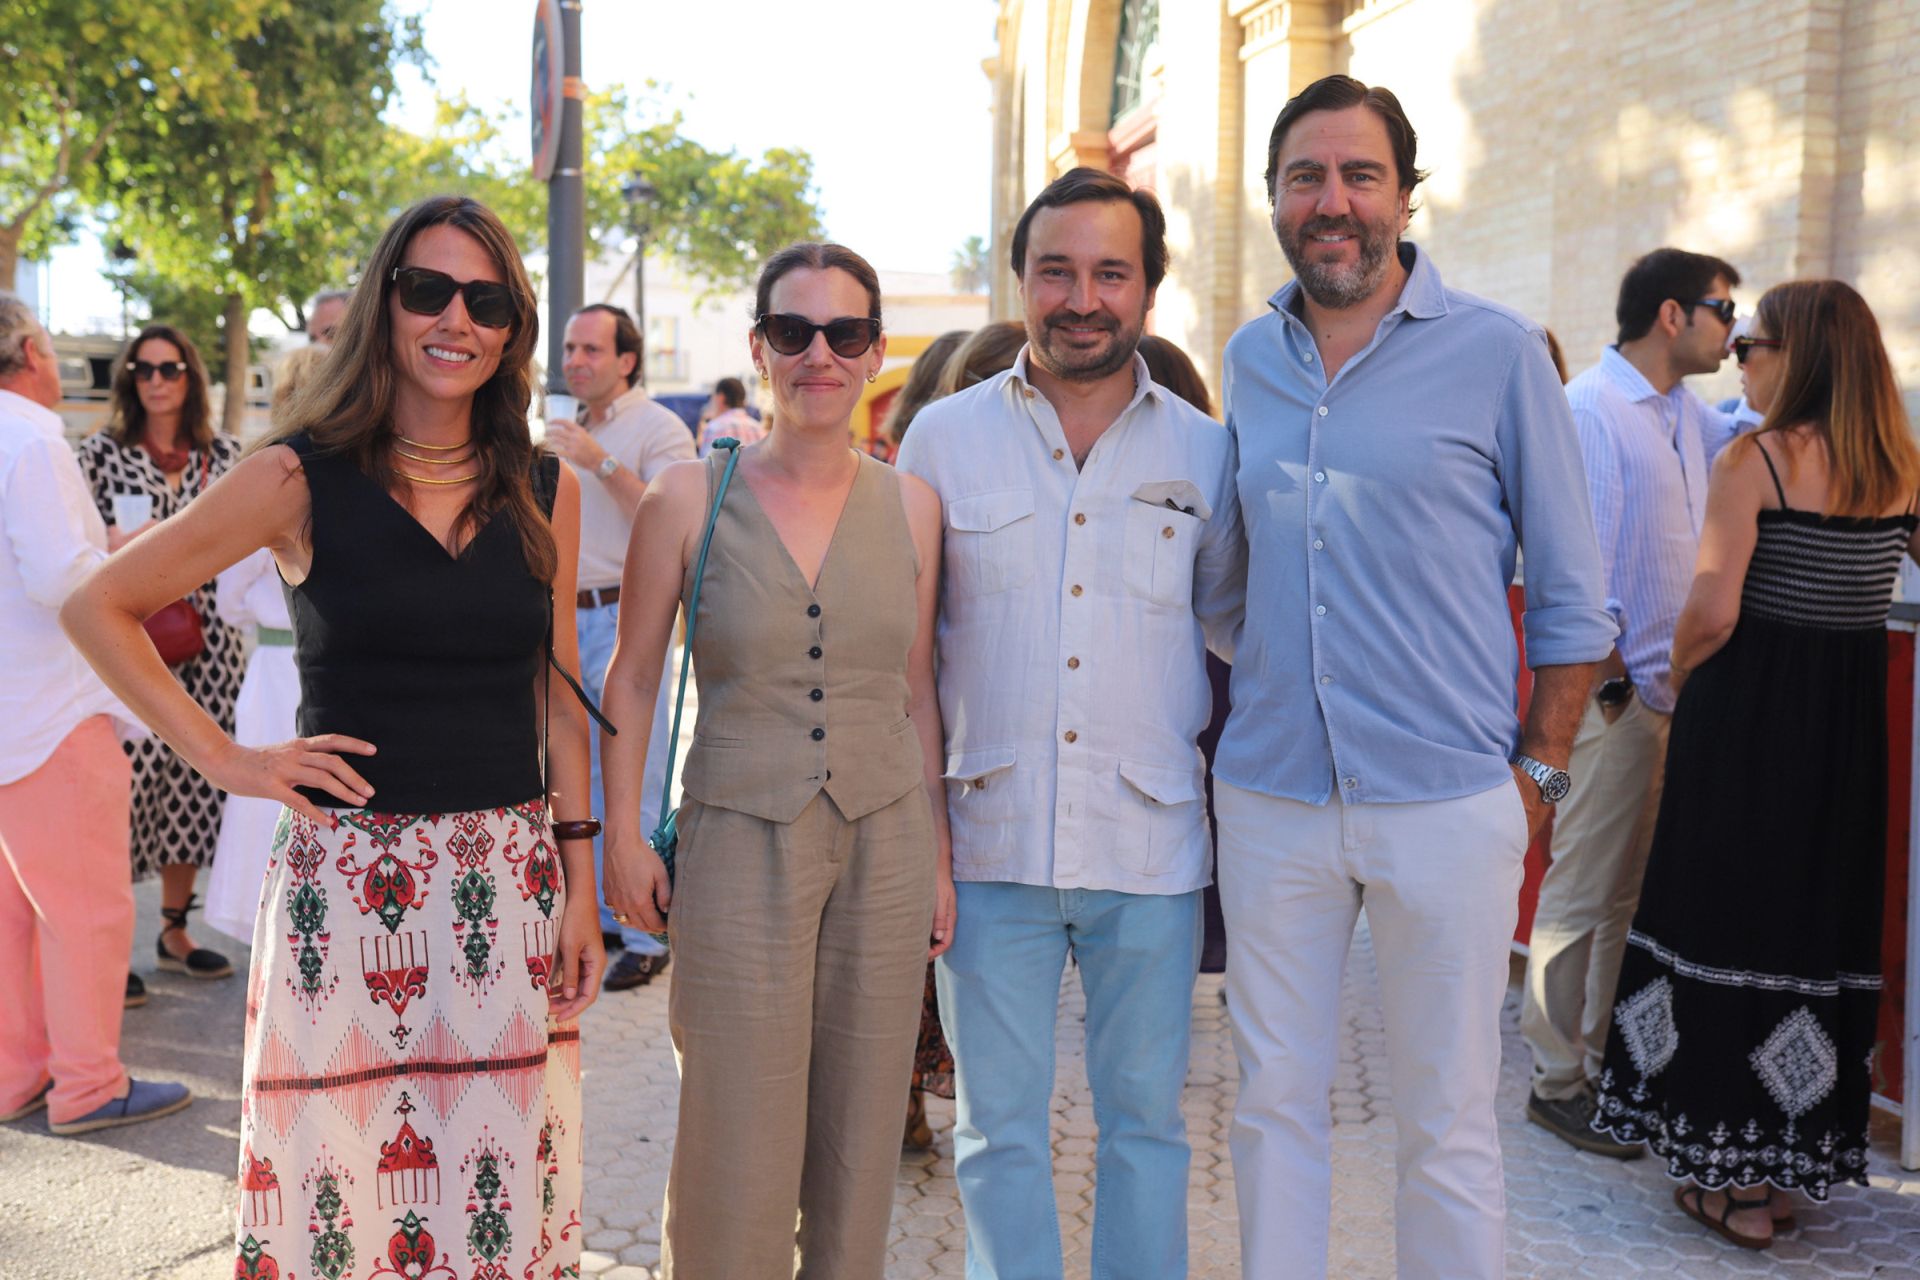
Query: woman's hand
(945, 908)
(573, 982)
(273, 772)
(637, 890)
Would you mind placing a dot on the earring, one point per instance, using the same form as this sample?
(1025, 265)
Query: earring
(765, 376)
(873, 376)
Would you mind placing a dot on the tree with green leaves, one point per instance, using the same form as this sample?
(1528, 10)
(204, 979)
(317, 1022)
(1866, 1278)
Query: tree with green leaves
(715, 213)
(969, 272)
(76, 74)
(255, 195)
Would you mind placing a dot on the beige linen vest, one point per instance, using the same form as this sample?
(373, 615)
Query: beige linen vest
(805, 690)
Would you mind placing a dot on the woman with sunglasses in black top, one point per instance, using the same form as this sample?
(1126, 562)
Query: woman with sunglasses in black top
(812, 876)
(427, 934)
(1748, 1002)
(160, 444)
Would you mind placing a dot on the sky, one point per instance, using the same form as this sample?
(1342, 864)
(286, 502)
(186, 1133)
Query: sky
(888, 96)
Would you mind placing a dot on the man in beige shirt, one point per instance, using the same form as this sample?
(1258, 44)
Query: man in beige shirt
(623, 439)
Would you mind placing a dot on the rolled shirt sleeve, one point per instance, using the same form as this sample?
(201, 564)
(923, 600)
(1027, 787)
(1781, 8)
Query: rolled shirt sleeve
(1544, 480)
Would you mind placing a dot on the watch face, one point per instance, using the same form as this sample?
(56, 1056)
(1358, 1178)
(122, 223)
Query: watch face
(1555, 788)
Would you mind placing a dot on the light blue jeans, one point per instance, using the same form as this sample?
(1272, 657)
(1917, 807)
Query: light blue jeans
(597, 629)
(999, 992)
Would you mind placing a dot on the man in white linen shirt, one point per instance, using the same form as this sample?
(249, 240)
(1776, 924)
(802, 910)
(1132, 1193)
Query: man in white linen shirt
(66, 887)
(1092, 530)
(626, 438)
(1648, 444)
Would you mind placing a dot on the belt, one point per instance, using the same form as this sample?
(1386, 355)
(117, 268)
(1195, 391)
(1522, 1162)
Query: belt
(598, 599)
(274, 636)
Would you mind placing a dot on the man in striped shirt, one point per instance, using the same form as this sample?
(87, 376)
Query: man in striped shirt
(1648, 444)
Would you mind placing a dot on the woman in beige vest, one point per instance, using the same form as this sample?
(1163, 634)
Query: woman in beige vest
(813, 859)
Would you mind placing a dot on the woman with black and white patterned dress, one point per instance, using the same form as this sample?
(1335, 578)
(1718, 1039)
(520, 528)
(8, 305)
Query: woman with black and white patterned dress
(1748, 1002)
(159, 442)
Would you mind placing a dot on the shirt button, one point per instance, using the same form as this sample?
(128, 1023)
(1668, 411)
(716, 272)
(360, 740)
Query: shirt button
(1073, 664)
(1059, 454)
(818, 734)
(816, 694)
(814, 652)
(1307, 356)
(813, 611)
(1319, 545)
(1076, 589)
(1167, 532)
(1326, 679)
(980, 784)
(1322, 411)
(1027, 392)
(1352, 783)
(1079, 517)
(1320, 609)
(1319, 477)
(1071, 736)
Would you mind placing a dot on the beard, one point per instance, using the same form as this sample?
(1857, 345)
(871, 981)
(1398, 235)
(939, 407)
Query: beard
(1335, 285)
(1083, 364)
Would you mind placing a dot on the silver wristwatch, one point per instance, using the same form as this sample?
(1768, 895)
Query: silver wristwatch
(608, 465)
(1553, 782)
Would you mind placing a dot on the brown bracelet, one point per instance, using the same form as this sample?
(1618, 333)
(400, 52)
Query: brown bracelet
(581, 829)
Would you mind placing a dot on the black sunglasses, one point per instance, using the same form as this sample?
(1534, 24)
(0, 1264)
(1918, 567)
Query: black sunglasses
(847, 337)
(1743, 346)
(426, 292)
(1722, 307)
(167, 370)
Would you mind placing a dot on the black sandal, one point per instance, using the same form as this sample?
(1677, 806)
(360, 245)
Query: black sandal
(1698, 1212)
(199, 962)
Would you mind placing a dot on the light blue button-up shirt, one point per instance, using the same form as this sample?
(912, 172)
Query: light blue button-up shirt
(1383, 513)
(1647, 457)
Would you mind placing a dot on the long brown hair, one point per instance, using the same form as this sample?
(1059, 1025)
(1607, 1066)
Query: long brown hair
(1839, 384)
(923, 383)
(348, 406)
(990, 350)
(127, 417)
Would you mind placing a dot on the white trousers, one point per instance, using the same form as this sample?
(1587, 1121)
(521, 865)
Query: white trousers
(1602, 833)
(1440, 881)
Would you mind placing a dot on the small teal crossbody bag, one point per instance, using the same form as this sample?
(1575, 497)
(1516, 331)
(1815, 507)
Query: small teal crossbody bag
(666, 837)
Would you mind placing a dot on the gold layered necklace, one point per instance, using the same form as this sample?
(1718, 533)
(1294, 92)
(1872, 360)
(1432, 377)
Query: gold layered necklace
(402, 447)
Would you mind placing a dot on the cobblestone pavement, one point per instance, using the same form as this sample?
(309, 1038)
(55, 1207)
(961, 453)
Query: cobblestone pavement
(153, 1200)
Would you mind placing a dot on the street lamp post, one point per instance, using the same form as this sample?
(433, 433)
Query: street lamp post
(641, 196)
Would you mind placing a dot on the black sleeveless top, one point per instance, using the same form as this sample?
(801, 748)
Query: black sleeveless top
(430, 657)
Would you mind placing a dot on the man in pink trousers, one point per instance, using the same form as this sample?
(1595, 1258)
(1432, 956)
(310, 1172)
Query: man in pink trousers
(66, 891)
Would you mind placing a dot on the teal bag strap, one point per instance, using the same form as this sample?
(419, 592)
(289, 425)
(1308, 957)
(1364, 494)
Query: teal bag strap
(732, 446)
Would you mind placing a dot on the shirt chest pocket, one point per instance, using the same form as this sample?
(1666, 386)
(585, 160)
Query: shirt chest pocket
(1162, 532)
(990, 541)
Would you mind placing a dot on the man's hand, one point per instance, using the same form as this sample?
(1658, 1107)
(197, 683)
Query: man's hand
(575, 443)
(1537, 807)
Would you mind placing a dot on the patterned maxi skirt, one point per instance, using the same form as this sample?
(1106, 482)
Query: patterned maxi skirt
(408, 1109)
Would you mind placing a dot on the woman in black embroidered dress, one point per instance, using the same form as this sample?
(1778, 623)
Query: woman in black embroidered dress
(411, 1093)
(1750, 992)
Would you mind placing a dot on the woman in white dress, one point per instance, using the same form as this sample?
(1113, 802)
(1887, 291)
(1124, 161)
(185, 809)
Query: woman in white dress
(250, 596)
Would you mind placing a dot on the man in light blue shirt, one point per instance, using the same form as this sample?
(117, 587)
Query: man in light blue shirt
(1399, 442)
(1648, 444)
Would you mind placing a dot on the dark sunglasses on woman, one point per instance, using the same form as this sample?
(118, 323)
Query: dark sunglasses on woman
(847, 337)
(1743, 346)
(167, 370)
(426, 292)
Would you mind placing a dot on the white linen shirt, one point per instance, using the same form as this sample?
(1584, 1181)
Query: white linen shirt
(1648, 457)
(54, 536)
(647, 438)
(1074, 616)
